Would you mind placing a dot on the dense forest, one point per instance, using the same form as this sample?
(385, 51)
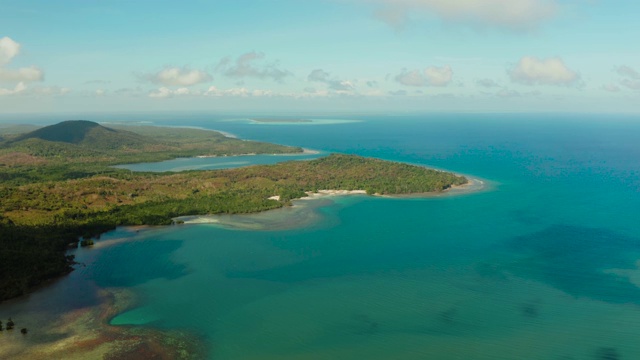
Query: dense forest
(46, 213)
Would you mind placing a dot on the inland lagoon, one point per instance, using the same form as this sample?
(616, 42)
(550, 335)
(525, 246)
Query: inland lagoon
(540, 263)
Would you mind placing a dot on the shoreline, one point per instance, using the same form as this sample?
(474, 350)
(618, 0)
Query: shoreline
(88, 332)
(274, 219)
(472, 186)
(305, 151)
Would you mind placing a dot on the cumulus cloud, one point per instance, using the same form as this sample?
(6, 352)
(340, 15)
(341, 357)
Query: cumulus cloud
(131, 92)
(519, 15)
(9, 49)
(177, 76)
(431, 76)
(238, 92)
(21, 87)
(411, 78)
(318, 75)
(251, 65)
(321, 76)
(165, 92)
(533, 71)
(28, 74)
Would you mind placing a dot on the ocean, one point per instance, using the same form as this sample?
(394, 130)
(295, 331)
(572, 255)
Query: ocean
(542, 263)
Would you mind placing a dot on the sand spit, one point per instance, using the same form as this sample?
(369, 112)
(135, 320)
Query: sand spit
(323, 193)
(474, 185)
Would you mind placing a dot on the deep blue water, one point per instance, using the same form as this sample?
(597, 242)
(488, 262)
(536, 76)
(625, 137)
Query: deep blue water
(543, 264)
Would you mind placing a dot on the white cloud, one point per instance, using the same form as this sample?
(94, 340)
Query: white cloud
(517, 15)
(438, 76)
(165, 92)
(238, 92)
(50, 91)
(176, 76)
(321, 76)
(411, 78)
(21, 89)
(318, 75)
(18, 89)
(8, 50)
(28, 74)
(533, 71)
(431, 76)
(131, 92)
(248, 65)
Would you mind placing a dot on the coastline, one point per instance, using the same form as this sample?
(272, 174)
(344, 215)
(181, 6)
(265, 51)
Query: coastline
(473, 185)
(88, 333)
(302, 210)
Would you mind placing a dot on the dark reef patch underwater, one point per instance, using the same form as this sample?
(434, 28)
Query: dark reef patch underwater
(581, 261)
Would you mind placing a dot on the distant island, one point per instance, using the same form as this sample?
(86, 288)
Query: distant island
(59, 188)
(282, 120)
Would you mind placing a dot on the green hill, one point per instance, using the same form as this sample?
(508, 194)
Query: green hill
(87, 134)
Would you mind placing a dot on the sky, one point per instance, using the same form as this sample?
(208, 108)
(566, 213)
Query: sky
(320, 56)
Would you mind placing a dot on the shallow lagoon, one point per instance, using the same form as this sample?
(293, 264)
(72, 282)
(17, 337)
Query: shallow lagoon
(541, 266)
(218, 162)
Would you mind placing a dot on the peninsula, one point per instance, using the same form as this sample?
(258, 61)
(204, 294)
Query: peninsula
(59, 187)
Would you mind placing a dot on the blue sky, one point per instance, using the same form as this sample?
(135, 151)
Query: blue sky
(314, 56)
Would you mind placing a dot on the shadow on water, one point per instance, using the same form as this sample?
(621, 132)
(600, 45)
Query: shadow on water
(607, 353)
(581, 261)
(137, 262)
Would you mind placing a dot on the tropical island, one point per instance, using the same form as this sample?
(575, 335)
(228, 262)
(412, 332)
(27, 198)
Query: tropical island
(285, 121)
(59, 188)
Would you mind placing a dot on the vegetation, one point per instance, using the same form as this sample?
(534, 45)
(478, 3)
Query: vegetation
(47, 210)
(78, 149)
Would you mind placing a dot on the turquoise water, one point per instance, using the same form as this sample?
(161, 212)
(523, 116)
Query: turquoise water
(215, 163)
(543, 264)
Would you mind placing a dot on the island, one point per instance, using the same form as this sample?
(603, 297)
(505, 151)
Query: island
(59, 188)
(282, 121)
